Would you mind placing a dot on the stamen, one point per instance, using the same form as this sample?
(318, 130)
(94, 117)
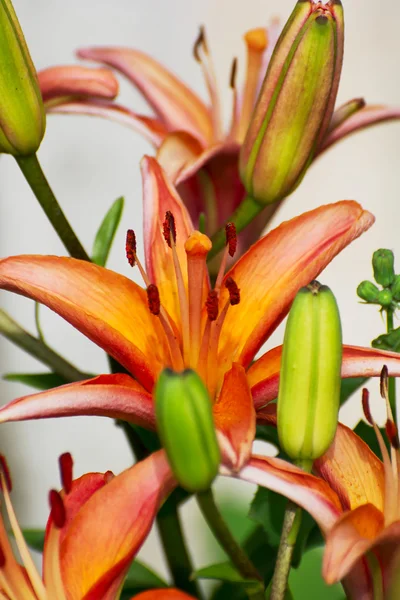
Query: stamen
(6, 472)
(384, 382)
(235, 105)
(231, 238)
(212, 305)
(232, 79)
(57, 509)
(366, 407)
(108, 476)
(153, 299)
(169, 228)
(393, 434)
(130, 247)
(234, 292)
(66, 471)
(199, 42)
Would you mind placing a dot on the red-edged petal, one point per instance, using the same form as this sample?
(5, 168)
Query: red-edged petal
(309, 492)
(163, 594)
(370, 115)
(150, 128)
(62, 81)
(108, 308)
(159, 196)
(234, 417)
(357, 362)
(126, 508)
(352, 470)
(117, 396)
(272, 271)
(176, 104)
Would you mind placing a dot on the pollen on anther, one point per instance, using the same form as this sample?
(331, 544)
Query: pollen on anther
(384, 382)
(212, 305)
(66, 471)
(392, 434)
(153, 299)
(231, 238)
(2, 558)
(57, 508)
(199, 42)
(130, 247)
(234, 292)
(169, 228)
(232, 79)
(365, 405)
(6, 472)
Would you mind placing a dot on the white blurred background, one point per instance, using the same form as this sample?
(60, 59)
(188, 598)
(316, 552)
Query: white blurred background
(90, 162)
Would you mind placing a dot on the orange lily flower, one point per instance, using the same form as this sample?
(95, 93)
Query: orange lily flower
(187, 133)
(178, 320)
(74, 538)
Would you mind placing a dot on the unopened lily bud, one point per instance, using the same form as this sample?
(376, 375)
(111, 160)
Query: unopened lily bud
(368, 291)
(309, 387)
(186, 428)
(383, 265)
(296, 101)
(22, 116)
(395, 288)
(385, 298)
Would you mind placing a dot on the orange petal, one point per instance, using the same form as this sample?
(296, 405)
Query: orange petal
(176, 104)
(108, 308)
(349, 539)
(272, 271)
(234, 417)
(177, 150)
(352, 470)
(263, 374)
(126, 508)
(58, 82)
(163, 594)
(117, 396)
(309, 492)
(159, 196)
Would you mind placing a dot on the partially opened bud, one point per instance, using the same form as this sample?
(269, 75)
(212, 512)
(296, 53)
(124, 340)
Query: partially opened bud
(22, 116)
(186, 428)
(296, 101)
(309, 387)
(368, 291)
(383, 265)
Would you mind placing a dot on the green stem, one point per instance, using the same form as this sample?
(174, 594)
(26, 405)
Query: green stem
(222, 533)
(290, 530)
(37, 322)
(392, 380)
(11, 330)
(243, 215)
(34, 175)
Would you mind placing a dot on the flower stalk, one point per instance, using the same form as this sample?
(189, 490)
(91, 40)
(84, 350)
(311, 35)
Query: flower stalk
(290, 530)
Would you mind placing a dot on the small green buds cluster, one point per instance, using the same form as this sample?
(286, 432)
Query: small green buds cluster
(22, 115)
(384, 275)
(296, 101)
(186, 428)
(309, 386)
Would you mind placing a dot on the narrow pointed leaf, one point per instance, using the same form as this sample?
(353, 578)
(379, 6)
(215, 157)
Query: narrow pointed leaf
(139, 578)
(106, 233)
(222, 571)
(39, 381)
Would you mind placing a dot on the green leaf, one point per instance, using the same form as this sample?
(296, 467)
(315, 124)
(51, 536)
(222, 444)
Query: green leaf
(34, 538)
(223, 571)
(39, 381)
(366, 432)
(106, 232)
(349, 386)
(140, 578)
(307, 579)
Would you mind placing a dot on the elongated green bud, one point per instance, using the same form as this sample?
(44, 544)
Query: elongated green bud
(368, 291)
(296, 101)
(22, 116)
(186, 428)
(309, 387)
(383, 265)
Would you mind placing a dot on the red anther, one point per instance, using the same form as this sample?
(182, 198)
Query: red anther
(392, 434)
(169, 229)
(384, 382)
(234, 292)
(2, 558)
(57, 509)
(231, 237)
(130, 247)
(232, 80)
(66, 473)
(153, 299)
(6, 472)
(108, 476)
(365, 405)
(212, 305)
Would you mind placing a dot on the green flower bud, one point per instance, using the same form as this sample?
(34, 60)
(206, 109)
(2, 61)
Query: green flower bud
(368, 291)
(296, 101)
(383, 265)
(22, 116)
(309, 387)
(395, 288)
(186, 428)
(385, 298)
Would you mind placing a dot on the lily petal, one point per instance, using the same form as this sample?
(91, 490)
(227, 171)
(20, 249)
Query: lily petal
(108, 308)
(357, 361)
(273, 270)
(117, 396)
(177, 149)
(234, 417)
(176, 104)
(163, 594)
(126, 507)
(352, 470)
(59, 82)
(309, 492)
